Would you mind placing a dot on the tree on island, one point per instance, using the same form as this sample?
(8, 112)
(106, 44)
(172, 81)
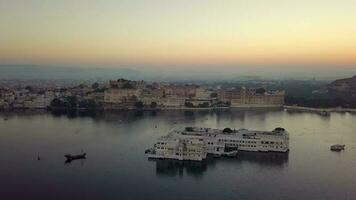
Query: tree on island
(57, 103)
(81, 86)
(204, 105)
(41, 92)
(139, 104)
(189, 129)
(227, 130)
(95, 85)
(189, 104)
(127, 86)
(153, 105)
(88, 104)
(214, 95)
(260, 91)
(29, 88)
(72, 101)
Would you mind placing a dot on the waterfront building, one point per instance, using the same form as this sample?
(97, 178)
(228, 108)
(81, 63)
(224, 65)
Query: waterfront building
(151, 95)
(180, 90)
(202, 93)
(251, 97)
(176, 148)
(174, 101)
(2, 104)
(97, 96)
(127, 94)
(200, 103)
(218, 142)
(118, 96)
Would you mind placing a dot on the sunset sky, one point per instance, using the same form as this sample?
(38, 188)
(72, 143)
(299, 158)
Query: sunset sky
(179, 33)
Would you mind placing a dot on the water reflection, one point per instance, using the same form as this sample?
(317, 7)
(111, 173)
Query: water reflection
(185, 115)
(117, 167)
(263, 158)
(172, 168)
(71, 161)
(108, 116)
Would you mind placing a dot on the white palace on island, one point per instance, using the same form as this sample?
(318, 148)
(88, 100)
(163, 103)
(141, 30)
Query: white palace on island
(194, 143)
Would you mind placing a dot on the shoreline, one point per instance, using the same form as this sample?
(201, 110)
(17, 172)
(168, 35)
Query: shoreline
(286, 107)
(302, 108)
(141, 109)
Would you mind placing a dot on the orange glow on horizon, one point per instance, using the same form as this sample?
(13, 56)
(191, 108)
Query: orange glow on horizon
(179, 33)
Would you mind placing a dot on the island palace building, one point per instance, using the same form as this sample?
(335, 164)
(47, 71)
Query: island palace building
(194, 143)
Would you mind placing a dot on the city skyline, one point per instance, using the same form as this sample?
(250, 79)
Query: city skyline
(227, 35)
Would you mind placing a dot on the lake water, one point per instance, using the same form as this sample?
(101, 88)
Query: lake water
(117, 168)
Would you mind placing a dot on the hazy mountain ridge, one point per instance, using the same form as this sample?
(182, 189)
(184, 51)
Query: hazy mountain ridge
(29, 72)
(42, 72)
(105, 73)
(347, 85)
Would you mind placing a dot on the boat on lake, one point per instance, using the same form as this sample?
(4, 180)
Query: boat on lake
(71, 157)
(337, 147)
(324, 113)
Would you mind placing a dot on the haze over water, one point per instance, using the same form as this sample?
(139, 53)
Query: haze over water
(116, 167)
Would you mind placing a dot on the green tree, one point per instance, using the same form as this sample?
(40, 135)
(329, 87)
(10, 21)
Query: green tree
(260, 91)
(189, 104)
(95, 85)
(72, 101)
(189, 129)
(29, 88)
(81, 86)
(153, 105)
(88, 104)
(214, 95)
(57, 103)
(139, 104)
(127, 86)
(204, 105)
(227, 130)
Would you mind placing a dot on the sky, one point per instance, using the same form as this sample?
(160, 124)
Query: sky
(180, 34)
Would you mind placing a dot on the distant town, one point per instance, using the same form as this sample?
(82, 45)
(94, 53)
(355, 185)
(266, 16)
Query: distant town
(125, 94)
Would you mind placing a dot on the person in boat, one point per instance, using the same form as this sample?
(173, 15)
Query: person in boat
(74, 157)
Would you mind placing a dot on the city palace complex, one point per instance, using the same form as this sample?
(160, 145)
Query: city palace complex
(127, 94)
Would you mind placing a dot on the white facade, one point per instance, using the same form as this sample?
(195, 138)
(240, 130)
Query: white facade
(179, 143)
(172, 147)
(119, 95)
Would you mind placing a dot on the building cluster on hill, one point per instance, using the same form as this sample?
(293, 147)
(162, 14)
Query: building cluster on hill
(127, 94)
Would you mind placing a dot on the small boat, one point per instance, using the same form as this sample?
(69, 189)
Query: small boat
(324, 113)
(337, 147)
(71, 157)
(5, 119)
(231, 154)
(217, 155)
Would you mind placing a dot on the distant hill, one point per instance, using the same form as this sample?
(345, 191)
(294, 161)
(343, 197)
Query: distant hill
(29, 72)
(338, 93)
(166, 74)
(347, 85)
(74, 73)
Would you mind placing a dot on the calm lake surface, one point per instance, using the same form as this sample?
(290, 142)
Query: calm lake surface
(117, 168)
